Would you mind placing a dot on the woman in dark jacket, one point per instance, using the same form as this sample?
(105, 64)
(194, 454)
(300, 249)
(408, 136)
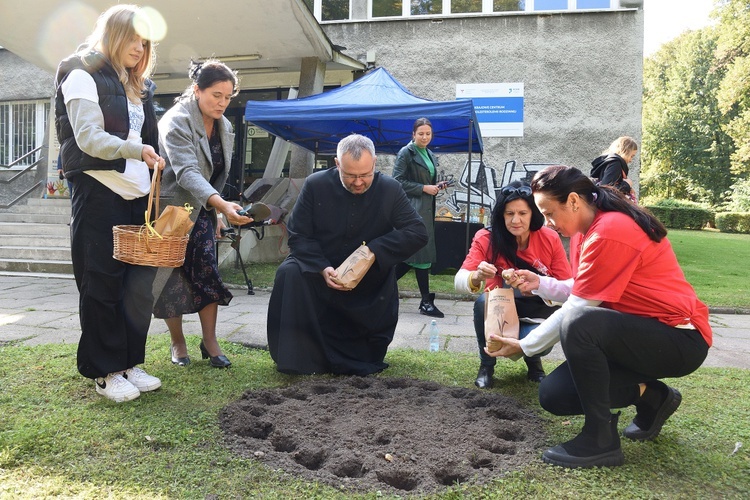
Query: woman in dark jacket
(416, 170)
(611, 168)
(106, 125)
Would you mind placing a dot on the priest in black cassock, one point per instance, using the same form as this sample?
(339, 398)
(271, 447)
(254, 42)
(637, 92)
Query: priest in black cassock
(315, 325)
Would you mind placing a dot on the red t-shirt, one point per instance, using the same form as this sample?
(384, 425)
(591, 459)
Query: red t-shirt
(545, 253)
(617, 263)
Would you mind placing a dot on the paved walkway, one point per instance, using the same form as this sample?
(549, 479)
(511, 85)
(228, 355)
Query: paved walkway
(44, 309)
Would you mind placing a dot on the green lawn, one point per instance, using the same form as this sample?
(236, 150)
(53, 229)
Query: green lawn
(714, 263)
(59, 439)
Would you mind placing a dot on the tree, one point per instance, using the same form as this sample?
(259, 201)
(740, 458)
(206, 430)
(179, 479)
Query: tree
(733, 57)
(685, 147)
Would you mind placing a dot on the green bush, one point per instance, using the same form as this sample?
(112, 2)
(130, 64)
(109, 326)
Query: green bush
(733, 222)
(681, 214)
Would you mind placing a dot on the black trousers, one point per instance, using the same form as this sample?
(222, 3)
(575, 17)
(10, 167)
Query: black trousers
(608, 353)
(115, 298)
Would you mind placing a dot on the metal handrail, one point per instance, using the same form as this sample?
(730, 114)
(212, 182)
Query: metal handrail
(34, 186)
(23, 195)
(22, 171)
(17, 160)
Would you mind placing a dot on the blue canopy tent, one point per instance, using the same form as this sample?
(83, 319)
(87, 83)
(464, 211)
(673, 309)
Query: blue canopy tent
(376, 106)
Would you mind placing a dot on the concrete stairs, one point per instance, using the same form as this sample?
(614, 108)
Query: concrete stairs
(35, 238)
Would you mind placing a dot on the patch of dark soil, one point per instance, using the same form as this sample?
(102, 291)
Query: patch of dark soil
(396, 435)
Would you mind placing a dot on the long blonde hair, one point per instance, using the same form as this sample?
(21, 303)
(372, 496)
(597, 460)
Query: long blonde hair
(115, 29)
(622, 146)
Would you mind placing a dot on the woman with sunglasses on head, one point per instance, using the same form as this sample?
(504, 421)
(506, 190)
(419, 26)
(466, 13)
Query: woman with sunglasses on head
(516, 239)
(630, 318)
(197, 141)
(416, 170)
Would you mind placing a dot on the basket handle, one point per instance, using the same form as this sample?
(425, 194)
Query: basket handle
(154, 193)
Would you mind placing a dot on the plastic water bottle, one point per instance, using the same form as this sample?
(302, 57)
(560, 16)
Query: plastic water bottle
(474, 214)
(434, 337)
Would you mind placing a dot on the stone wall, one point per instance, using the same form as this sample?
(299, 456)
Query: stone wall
(582, 75)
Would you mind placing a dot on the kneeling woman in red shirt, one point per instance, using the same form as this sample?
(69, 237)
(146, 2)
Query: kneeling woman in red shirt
(630, 318)
(517, 239)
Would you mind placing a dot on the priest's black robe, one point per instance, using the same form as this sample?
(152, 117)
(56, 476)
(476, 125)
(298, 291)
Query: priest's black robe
(315, 329)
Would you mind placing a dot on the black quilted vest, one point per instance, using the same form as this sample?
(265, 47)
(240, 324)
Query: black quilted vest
(114, 104)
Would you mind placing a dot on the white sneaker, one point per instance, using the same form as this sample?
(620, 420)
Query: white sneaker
(115, 387)
(142, 380)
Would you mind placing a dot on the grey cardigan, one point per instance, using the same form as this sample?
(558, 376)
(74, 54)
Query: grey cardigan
(184, 145)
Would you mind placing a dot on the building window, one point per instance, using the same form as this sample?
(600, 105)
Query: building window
(426, 7)
(508, 5)
(593, 4)
(22, 126)
(341, 10)
(334, 10)
(466, 6)
(387, 8)
(550, 4)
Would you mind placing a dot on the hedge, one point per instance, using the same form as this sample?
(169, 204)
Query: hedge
(733, 222)
(680, 217)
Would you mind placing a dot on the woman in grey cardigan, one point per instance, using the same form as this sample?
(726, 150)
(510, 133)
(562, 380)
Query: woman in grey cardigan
(196, 141)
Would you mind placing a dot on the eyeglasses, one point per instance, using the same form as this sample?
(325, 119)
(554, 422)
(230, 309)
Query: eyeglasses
(351, 177)
(523, 191)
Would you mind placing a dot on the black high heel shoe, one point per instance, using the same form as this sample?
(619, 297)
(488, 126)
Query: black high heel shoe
(219, 361)
(178, 361)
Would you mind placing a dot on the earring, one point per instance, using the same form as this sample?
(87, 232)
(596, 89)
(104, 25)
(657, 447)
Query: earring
(575, 209)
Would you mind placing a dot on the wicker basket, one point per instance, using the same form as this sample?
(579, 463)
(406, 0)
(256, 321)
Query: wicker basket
(140, 246)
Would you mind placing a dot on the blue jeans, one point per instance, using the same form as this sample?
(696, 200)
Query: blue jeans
(485, 359)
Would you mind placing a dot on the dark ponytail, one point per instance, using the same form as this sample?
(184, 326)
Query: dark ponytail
(207, 73)
(559, 181)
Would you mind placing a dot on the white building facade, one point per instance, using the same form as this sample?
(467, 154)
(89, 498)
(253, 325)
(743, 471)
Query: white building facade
(579, 62)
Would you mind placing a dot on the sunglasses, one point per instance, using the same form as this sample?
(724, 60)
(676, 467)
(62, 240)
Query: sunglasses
(523, 191)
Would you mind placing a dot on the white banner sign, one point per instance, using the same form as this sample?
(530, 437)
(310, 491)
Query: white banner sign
(499, 107)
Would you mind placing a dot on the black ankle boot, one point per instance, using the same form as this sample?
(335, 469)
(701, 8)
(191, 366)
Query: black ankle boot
(598, 445)
(654, 407)
(427, 307)
(484, 376)
(536, 371)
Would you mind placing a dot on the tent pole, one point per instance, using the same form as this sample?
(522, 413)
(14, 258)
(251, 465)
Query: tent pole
(242, 164)
(468, 194)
